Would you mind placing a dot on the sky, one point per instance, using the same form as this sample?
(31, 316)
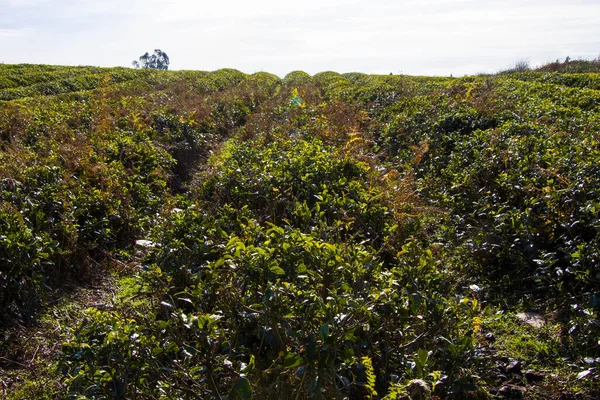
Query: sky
(437, 37)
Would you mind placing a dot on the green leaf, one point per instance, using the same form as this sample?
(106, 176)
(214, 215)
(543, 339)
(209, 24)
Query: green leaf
(251, 365)
(172, 347)
(277, 270)
(292, 360)
(423, 355)
(219, 262)
(242, 388)
(324, 331)
(301, 268)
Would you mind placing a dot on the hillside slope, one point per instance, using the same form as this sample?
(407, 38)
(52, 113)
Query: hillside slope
(327, 236)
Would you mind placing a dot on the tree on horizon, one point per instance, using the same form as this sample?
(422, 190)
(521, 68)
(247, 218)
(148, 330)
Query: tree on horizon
(157, 60)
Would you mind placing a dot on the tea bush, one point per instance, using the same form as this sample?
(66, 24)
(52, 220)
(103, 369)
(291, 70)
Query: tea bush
(83, 176)
(333, 236)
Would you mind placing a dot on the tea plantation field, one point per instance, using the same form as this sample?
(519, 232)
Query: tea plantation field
(198, 235)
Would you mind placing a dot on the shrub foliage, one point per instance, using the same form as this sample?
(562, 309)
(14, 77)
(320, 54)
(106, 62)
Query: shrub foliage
(333, 236)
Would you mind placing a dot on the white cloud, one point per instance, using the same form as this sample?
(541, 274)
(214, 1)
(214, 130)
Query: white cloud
(22, 3)
(14, 33)
(455, 36)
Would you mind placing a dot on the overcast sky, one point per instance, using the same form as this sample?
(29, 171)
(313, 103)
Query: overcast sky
(438, 37)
